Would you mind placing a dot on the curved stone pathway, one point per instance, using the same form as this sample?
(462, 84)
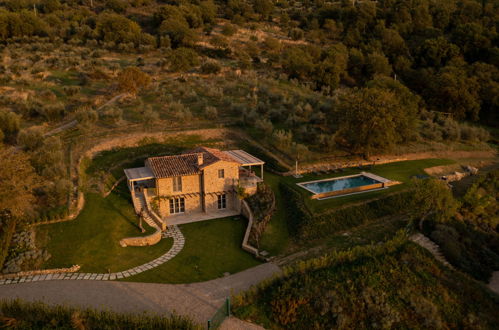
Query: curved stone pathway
(172, 231)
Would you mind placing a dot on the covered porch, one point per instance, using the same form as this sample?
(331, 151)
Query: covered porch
(247, 177)
(139, 178)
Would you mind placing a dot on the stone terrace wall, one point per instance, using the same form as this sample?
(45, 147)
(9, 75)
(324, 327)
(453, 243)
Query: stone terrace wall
(142, 240)
(246, 212)
(72, 269)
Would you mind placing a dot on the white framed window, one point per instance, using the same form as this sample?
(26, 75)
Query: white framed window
(222, 201)
(221, 174)
(177, 184)
(177, 205)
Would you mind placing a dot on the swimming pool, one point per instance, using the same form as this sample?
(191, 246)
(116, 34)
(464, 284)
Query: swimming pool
(344, 185)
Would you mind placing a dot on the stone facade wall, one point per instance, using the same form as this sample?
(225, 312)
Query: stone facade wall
(142, 240)
(191, 184)
(212, 183)
(72, 269)
(211, 202)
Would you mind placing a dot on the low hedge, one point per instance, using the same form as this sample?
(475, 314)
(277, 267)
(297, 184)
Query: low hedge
(307, 225)
(21, 315)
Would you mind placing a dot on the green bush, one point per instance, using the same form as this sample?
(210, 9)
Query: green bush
(21, 315)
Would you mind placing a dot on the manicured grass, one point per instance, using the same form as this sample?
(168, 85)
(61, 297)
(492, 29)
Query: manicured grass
(92, 239)
(398, 171)
(211, 248)
(275, 239)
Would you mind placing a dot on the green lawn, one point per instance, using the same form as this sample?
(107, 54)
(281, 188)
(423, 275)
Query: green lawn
(211, 248)
(275, 239)
(92, 239)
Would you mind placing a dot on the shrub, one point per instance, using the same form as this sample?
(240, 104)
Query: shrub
(132, 79)
(30, 138)
(474, 134)
(296, 34)
(183, 59)
(211, 68)
(210, 112)
(229, 29)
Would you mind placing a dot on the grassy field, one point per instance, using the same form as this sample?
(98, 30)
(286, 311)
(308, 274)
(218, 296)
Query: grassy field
(211, 248)
(92, 239)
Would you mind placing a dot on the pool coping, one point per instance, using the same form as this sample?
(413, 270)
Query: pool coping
(353, 193)
(378, 178)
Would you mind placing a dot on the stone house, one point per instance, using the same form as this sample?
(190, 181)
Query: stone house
(200, 184)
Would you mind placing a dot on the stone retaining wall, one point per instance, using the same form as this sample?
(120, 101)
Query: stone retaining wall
(246, 212)
(385, 159)
(154, 216)
(72, 269)
(142, 240)
(80, 203)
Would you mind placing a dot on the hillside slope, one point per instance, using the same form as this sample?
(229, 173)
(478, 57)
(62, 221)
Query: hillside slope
(394, 285)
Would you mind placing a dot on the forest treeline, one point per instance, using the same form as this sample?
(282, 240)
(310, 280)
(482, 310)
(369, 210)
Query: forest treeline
(445, 52)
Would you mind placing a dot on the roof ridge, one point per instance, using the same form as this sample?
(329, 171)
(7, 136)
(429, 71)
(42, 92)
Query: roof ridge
(173, 156)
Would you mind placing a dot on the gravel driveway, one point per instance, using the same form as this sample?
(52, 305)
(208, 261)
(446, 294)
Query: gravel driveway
(197, 300)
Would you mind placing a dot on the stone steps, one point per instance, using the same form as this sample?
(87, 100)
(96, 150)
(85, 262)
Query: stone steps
(431, 246)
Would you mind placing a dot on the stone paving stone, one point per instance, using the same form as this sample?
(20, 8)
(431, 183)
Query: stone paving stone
(112, 277)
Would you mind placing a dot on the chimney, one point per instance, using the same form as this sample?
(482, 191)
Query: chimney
(200, 159)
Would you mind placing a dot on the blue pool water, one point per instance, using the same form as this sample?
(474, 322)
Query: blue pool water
(339, 184)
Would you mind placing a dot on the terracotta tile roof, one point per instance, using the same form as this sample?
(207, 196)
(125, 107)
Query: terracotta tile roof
(211, 155)
(186, 163)
(177, 165)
